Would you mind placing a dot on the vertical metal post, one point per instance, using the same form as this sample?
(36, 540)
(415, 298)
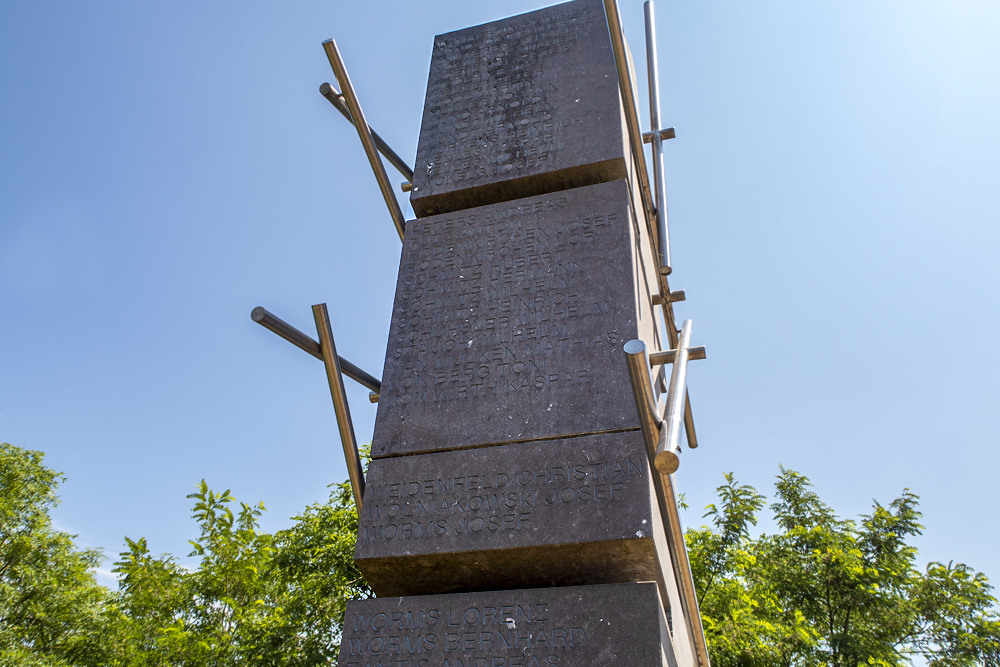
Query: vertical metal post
(361, 125)
(631, 113)
(662, 230)
(354, 469)
(668, 447)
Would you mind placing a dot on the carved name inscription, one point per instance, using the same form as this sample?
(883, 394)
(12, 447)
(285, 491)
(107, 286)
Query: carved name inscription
(515, 98)
(581, 625)
(511, 317)
(586, 489)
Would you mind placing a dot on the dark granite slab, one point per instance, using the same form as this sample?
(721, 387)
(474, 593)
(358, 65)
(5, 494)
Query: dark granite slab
(519, 107)
(578, 626)
(556, 512)
(508, 324)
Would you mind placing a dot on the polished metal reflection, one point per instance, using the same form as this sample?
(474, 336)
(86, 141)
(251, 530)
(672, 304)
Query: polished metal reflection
(361, 125)
(333, 376)
(669, 446)
(337, 100)
(273, 323)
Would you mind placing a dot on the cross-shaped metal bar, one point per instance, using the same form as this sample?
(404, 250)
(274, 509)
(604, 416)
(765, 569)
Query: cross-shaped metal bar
(336, 367)
(365, 134)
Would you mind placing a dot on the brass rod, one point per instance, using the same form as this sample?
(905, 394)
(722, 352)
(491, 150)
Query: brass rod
(669, 446)
(273, 323)
(337, 100)
(679, 556)
(361, 125)
(332, 363)
(642, 391)
(631, 118)
(662, 228)
(689, 422)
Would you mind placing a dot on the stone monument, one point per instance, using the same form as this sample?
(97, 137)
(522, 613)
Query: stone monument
(509, 515)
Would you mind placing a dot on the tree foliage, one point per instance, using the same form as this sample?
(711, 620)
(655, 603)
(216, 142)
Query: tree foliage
(831, 591)
(50, 603)
(255, 598)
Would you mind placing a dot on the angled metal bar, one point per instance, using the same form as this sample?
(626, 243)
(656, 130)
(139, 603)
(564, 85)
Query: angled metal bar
(679, 556)
(337, 100)
(642, 390)
(662, 229)
(273, 323)
(689, 431)
(361, 125)
(631, 116)
(669, 445)
(354, 468)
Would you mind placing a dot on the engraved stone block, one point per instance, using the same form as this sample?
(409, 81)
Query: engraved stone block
(519, 107)
(576, 626)
(560, 512)
(509, 321)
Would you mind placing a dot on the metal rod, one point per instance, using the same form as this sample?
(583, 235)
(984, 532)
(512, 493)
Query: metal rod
(668, 356)
(673, 297)
(337, 100)
(642, 391)
(669, 446)
(665, 133)
(662, 229)
(361, 125)
(679, 556)
(689, 422)
(273, 323)
(354, 468)
(631, 113)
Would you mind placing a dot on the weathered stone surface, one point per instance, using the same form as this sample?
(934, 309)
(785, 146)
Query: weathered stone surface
(519, 107)
(556, 512)
(508, 324)
(577, 626)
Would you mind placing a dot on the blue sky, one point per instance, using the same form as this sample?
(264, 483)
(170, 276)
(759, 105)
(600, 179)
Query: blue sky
(168, 166)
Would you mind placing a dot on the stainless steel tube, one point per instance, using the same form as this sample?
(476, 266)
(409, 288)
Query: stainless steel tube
(361, 125)
(668, 448)
(660, 188)
(273, 323)
(354, 468)
(337, 100)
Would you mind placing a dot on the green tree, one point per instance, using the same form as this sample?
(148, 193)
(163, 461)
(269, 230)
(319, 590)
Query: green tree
(255, 598)
(831, 591)
(50, 603)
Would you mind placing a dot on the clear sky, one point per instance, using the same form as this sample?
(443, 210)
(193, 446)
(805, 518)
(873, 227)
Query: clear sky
(834, 203)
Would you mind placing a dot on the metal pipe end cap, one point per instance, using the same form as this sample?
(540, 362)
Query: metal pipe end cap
(258, 313)
(634, 346)
(667, 462)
